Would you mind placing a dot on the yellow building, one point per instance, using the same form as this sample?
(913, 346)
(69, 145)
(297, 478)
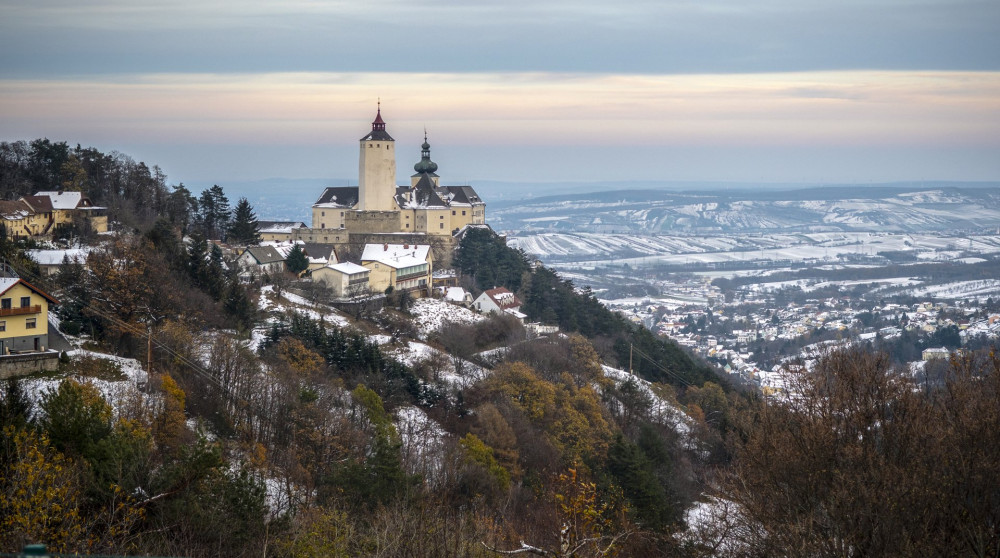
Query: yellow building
(24, 316)
(39, 215)
(406, 267)
(345, 279)
(21, 221)
(69, 208)
(378, 205)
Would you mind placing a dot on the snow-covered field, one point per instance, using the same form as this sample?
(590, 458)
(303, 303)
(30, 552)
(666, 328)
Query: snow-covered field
(587, 250)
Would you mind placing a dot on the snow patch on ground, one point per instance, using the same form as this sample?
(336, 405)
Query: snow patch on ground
(423, 440)
(415, 353)
(118, 393)
(664, 411)
(430, 313)
(291, 302)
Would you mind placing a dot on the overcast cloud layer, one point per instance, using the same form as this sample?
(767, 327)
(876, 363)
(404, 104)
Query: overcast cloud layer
(58, 37)
(798, 90)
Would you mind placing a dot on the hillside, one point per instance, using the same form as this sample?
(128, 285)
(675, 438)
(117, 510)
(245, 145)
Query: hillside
(831, 209)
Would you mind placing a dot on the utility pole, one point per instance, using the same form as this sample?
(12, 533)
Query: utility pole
(149, 352)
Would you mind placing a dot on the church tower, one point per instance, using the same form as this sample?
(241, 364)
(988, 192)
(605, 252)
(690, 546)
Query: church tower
(425, 167)
(377, 168)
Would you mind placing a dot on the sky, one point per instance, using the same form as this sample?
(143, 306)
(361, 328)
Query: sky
(777, 91)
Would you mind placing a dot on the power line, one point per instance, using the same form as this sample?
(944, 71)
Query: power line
(662, 368)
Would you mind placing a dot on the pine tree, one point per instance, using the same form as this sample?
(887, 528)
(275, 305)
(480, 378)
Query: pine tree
(239, 306)
(296, 260)
(213, 215)
(244, 229)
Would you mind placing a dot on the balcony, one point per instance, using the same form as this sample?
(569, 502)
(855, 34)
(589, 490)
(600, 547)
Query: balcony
(412, 275)
(36, 309)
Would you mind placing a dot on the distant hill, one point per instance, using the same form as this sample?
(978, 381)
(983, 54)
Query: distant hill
(669, 207)
(872, 208)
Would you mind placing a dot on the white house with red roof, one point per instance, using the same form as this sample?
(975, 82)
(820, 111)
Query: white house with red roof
(498, 299)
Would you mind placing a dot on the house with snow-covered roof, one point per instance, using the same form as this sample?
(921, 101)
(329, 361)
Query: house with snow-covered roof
(278, 230)
(70, 208)
(498, 299)
(345, 279)
(407, 267)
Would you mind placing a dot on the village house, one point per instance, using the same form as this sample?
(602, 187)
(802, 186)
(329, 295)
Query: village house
(406, 267)
(51, 261)
(40, 215)
(455, 295)
(499, 299)
(24, 315)
(258, 261)
(345, 279)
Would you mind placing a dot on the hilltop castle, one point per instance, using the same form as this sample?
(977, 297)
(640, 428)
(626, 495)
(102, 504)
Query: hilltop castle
(377, 206)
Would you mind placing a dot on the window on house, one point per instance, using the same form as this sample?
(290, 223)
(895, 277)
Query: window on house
(30, 323)
(3, 326)
(5, 303)
(25, 301)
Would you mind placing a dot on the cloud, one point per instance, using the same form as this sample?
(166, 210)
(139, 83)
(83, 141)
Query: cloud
(542, 124)
(46, 38)
(518, 108)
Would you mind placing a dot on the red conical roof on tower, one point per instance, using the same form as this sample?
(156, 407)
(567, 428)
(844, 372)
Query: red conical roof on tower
(378, 132)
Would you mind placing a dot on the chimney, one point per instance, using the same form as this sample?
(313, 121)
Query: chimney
(385, 247)
(406, 247)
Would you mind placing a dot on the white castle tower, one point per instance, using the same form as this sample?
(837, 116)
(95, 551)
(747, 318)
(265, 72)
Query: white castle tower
(377, 168)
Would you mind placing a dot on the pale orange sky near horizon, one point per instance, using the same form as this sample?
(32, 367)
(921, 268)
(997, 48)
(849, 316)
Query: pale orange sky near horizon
(494, 111)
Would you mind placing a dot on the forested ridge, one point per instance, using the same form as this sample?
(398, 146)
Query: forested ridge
(265, 433)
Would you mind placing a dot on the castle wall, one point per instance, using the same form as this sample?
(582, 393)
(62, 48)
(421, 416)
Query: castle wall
(372, 221)
(328, 217)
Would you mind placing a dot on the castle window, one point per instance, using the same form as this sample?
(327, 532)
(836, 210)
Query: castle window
(322, 214)
(322, 225)
(442, 225)
(407, 225)
(463, 212)
(341, 213)
(453, 212)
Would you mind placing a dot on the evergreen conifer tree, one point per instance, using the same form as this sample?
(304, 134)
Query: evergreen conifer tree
(297, 261)
(238, 305)
(244, 229)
